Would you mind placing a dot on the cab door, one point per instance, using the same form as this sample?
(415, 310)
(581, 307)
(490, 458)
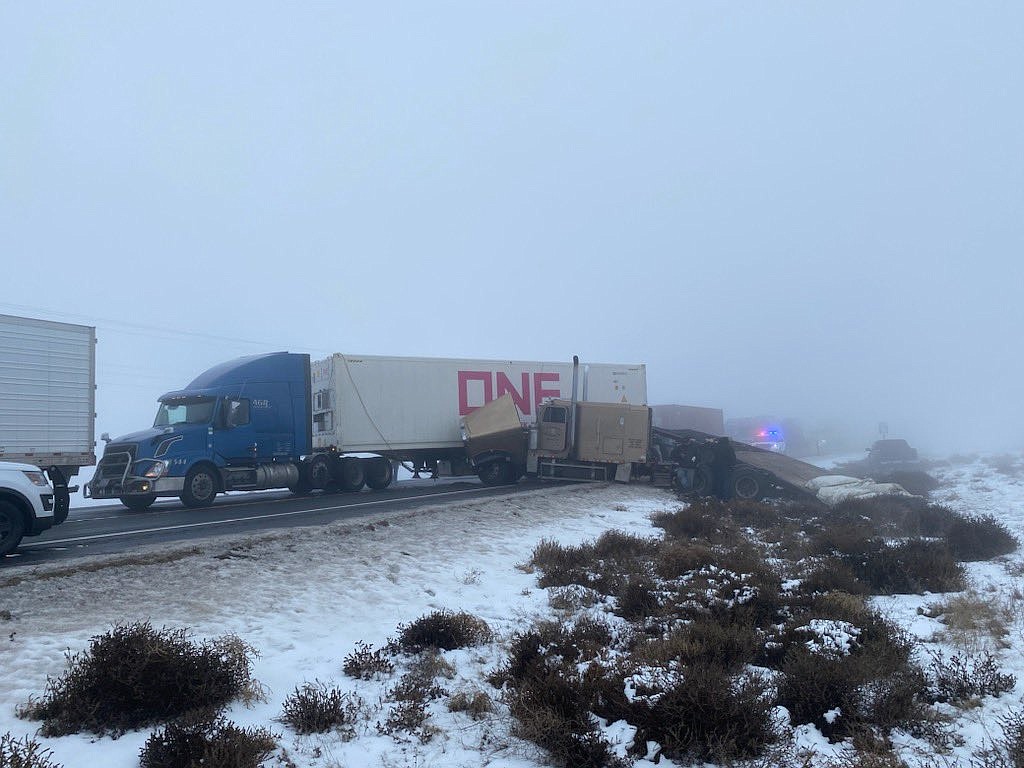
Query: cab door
(553, 429)
(256, 428)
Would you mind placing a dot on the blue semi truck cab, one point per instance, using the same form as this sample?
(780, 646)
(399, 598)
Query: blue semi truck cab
(242, 425)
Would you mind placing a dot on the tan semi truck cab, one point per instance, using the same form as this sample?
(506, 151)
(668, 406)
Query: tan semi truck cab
(583, 440)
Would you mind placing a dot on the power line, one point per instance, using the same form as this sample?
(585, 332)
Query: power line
(149, 330)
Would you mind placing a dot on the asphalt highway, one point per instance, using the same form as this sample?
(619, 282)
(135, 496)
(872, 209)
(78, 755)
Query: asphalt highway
(101, 530)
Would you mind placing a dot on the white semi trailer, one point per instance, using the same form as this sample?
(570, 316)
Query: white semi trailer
(410, 408)
(47, 419)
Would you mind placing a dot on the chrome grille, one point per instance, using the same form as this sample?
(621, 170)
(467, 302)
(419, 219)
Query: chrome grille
(115, 462)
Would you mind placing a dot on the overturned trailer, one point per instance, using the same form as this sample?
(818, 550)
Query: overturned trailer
(707, 465)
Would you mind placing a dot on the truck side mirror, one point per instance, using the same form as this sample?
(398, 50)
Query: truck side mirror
(105, 437)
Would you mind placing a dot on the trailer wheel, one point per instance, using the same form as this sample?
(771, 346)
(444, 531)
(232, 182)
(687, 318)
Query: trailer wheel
(351, 475)
(496, 473)
(138, 503)
(200, 487)
(746, 485)
(379, 473)
(12, 527)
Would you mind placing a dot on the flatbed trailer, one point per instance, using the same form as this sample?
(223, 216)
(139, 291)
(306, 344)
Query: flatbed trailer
(711, 465)
(791, 473)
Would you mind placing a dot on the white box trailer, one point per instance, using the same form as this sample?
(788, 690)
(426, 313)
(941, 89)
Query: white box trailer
(47, 418)
(47, 393)
(405, 407)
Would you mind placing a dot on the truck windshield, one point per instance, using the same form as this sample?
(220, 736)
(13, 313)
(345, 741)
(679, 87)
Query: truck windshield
(194, 410)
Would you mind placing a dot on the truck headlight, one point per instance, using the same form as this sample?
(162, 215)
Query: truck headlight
(36, 478)
(151, 468)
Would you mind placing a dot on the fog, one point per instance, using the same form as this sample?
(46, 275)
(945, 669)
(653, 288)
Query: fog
(804, 210)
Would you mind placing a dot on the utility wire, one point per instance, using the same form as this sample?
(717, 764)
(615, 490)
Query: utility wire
(149, 330)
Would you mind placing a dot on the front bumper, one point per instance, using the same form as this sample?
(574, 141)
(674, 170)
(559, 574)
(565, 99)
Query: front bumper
(130, 485)
(42, 523)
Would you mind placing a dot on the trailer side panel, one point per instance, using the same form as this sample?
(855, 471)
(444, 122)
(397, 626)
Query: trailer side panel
(47, 392)
(373, 404)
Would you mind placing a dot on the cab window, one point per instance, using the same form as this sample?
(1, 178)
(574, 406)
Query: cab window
(235, 412)
(554, 415)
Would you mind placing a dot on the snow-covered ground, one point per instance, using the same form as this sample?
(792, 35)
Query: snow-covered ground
(305, 598)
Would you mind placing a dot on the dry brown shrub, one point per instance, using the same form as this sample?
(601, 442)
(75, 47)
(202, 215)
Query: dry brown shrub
(204, 740)
(135, 675)
(705, 519)
(979, 537)
(675, 558)
(315, 708)
(442, 629)
(908, 567)
(710, 716)
(702, 641)
(364, 663)
(24, 753)
(476, 704)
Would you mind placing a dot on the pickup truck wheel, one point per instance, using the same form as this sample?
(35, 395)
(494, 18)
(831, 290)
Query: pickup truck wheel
(138, 503)
(12, 528)
(200, 488)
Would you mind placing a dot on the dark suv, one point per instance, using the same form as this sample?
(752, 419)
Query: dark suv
(892, 454)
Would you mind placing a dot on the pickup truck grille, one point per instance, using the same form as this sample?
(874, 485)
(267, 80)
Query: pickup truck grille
(116, 459)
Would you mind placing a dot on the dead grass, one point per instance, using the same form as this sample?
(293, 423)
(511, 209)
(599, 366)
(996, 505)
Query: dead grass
(972, 621)
(474, 703)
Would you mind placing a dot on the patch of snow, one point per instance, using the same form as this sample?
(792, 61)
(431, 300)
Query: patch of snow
(830, 637)
(833, 489)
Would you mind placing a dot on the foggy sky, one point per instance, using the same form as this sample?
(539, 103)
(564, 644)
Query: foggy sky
(810, 210)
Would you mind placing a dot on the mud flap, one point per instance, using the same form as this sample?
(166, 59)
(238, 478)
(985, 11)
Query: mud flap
(61, 494)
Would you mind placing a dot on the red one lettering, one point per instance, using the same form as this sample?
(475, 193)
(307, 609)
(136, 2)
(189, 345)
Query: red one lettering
(521, 397)
(500, 384)
(539, 392)
(464, 378)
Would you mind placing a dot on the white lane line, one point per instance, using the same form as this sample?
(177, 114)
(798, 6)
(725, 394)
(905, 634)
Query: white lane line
(166, 509)
(41, 544)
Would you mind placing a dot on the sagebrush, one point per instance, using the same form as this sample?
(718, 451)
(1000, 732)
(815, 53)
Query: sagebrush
(136, 675)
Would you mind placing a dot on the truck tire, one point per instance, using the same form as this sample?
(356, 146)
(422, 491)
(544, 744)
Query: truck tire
(12, 527)
(200, 487)
(320, 475)
(301, 488)
(379, 473)
(351, 475)
(703, 481)
(746, 485)
(496, 473)
(138, 503)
